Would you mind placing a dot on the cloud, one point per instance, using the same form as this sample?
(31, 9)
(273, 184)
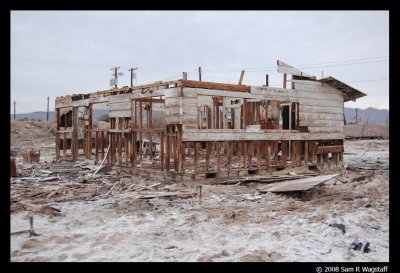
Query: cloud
(56, 53)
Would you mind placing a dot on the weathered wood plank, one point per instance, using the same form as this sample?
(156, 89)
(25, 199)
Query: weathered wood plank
(321, 123)
(330, 149)
(124, 105)
(329, 130)
(311, 109)
(288, 69)
(213, 85)
(120, 113)
(211, 135)
(302, 184)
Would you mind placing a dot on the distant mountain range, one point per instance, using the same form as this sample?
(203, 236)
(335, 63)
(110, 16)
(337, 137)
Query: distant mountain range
(372, 115)
(369, 115)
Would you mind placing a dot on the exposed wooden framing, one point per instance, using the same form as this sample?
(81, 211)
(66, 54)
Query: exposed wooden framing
(318, 110)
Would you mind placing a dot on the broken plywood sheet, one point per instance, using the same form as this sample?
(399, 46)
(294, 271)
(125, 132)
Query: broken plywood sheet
(298, 185)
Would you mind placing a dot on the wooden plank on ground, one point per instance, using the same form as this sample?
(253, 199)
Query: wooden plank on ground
(303, 184)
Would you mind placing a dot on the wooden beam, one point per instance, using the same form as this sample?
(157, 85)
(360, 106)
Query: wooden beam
(214, 85)
(207, 155)
(284, 152)
(329, 149)
(241, 77)
(218, 157)
(306, 150)
(196, 144)
(229, 155)
(162, 150)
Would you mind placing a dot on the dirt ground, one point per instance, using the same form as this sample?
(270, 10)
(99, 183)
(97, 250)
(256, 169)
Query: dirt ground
(107, 217)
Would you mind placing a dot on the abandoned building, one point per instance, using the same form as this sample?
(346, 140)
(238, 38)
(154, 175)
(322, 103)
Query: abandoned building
(206, 129)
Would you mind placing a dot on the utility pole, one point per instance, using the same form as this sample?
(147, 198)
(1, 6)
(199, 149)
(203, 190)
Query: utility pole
(356, 116)
(322, 74)
(116, 74)
(266, 79)
(14, 110)
(48, 108)
(199, 73)
(132, 69)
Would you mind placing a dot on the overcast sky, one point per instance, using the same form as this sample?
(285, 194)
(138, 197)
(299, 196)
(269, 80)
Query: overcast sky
(56, 53)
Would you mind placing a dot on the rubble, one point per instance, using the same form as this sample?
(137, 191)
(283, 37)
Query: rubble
(124, 217)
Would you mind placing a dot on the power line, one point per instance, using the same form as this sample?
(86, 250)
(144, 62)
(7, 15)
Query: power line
(273, 68)
(369, 80)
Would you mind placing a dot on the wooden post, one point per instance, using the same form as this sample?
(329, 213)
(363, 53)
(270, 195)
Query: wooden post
(239, 152)
(168, 146)
(306, 151)
(245, 155)
(241, 77)
(299, 152)
(96, 154)
(150, 126)
(74, 133)
(65, 144)
(218, 157)
(183, 157)
(284, 152)
(140, 130)
(207, 155)
(284, 80)
(258, 153)
(57, 134)
(175, 147)
(119, 140)
(102, 144)
(162, 150)
(250, 153)
(126, 151)
(268, 152)
(229, 147)
(196, 144)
